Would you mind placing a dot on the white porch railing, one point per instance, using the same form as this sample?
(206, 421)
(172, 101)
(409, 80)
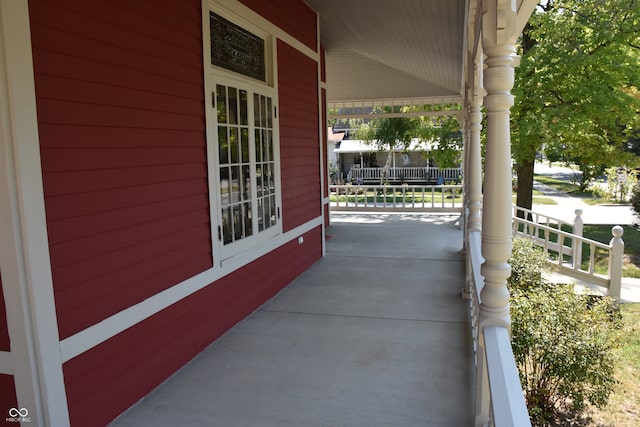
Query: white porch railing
(396, 198)
(564, 241)
(405, 174)
(499, 397)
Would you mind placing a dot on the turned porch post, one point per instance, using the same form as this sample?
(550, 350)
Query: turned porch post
(474, 168)
(498, 38)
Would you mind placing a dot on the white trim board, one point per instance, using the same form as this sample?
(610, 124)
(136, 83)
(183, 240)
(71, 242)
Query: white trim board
(24, 248)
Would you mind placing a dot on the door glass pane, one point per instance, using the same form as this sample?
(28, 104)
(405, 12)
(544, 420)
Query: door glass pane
(244, 119)
(246, 182)
(260, 214)
(233, 105)
(221, 103)
(235, 163)
(226, 226)
(258, 143)
(244, 143)
(224, 186)
(270, 144)
(248, 219)
(233, 144)
(223, 145)
(235, 184)
(238, 220)
(265, 165)
(272, 205)
(265, 146)
(256, 110)
(263, 111)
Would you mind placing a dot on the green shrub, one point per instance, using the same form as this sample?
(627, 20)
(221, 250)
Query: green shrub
(528, 263)
(564, 343)
(635, 198)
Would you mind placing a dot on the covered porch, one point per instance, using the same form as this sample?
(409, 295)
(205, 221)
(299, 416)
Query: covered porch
(375, 333)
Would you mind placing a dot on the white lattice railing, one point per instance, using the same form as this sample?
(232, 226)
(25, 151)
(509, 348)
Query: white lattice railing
(431, 198)
(566, 245)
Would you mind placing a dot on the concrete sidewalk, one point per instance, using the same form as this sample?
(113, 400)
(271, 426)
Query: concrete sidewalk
(591, 214)
(374, 334)
(566, 205)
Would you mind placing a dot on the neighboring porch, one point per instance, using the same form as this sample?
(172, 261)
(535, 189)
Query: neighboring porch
(375, 333)
(401, 175)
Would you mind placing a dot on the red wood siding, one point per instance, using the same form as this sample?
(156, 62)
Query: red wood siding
(299, 133)
(5, 344)
(119, 88)
(109, 378)
(293, 16)
(8, 397)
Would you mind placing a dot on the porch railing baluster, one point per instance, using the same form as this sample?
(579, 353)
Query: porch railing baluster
(396, 198)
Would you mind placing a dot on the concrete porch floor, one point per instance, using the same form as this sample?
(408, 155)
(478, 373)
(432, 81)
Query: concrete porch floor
(374, 334)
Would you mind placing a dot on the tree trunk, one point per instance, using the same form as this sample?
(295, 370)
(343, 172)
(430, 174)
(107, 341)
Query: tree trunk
(524, 195)
(385, 169)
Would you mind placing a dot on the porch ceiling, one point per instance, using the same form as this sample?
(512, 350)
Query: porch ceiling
(381, 50)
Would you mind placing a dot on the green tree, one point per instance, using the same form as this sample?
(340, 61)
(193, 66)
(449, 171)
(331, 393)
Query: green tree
(574, 87)
(396, 134)
(444, 132)
(389, 133)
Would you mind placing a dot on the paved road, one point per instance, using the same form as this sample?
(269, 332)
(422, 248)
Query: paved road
(565, 209)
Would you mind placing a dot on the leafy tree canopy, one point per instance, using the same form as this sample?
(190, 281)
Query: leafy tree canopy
(396, 133)
(576, 85)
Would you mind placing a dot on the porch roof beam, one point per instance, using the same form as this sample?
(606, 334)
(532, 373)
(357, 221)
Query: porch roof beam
(454, 113)
(357, 109)
(395, 102)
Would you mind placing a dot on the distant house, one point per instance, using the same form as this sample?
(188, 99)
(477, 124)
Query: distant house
(362, 163)
(334, 140)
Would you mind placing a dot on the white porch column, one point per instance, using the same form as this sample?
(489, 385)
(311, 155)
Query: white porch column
(474, 168)
(498, 37)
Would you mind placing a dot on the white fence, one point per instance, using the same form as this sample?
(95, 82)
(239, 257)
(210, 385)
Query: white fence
(566, 243)
(405, 174)
(397, 198)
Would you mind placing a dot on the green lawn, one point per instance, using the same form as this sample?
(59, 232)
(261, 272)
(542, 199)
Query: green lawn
(624, 405)
(569, 188)
(631, 237)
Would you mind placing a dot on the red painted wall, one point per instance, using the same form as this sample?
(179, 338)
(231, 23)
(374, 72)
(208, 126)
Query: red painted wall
(293, 16)
(121, 119)
(299, 136)
(119, 88)
(7, 387)
(106, 380)
(8, 397)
